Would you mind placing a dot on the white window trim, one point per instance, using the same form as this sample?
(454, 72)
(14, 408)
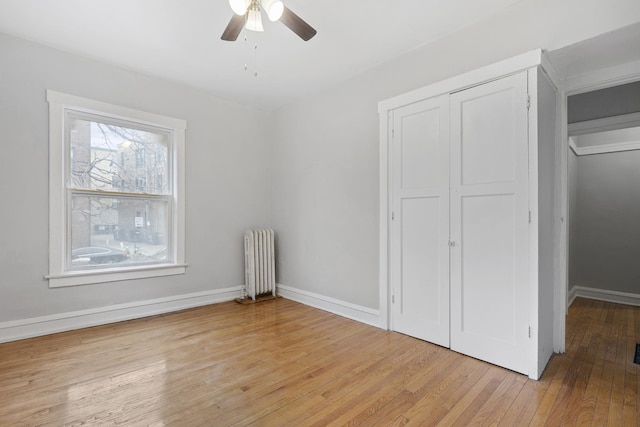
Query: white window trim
(58, 275)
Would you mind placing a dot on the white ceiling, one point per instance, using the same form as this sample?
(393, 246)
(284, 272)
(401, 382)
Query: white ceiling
(179, 40)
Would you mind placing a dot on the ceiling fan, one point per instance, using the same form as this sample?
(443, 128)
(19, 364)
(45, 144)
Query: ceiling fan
(248, 14)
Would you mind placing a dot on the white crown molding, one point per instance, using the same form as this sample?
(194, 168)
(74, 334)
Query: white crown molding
(45, 325)
(600, 79)
(332, 305)
(604, 295)
(574, 147)
(603, 149)
(550, 71)
(604, 124)
(481, 75)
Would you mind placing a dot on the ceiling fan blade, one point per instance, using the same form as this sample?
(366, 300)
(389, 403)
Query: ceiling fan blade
(233, 28)
(297, 24)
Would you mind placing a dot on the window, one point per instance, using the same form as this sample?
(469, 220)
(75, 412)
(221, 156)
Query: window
(141, 183)
(141, 157)
(112, 215)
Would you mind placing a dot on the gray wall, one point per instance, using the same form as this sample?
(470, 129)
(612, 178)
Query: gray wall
(606, 244)
(609, 102)
(226, 186)
(572, 179)
(326, 146)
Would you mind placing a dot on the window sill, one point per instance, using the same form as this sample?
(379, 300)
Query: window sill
(86, 277)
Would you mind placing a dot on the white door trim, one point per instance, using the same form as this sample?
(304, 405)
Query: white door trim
(385, 215)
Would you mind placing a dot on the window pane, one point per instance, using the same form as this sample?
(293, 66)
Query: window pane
(118, 231)
(111, 157)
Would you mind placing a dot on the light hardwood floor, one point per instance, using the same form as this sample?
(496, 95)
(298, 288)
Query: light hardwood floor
(281, 363)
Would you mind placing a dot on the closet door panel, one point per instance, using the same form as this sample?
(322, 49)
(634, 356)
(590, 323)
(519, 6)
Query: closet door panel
(489, 222)
(419, 144)
(487, 151)
(420, 262)
(420, 228)
(488, 265)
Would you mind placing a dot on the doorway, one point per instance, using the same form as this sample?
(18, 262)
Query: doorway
(580, 68)
(603, 206)
(584, 86)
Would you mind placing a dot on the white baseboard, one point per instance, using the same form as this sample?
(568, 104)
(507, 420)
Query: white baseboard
(45, 325)
(332, 305)
(604, 295)
(572, 295)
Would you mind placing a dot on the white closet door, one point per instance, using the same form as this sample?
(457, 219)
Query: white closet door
(489, 222)
(420, 230)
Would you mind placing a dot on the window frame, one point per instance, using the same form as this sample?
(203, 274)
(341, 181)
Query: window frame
(59, 195)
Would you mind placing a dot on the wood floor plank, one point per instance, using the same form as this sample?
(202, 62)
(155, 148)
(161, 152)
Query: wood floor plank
(574, 393)
(368, 400)
(530, 397)
(601, 412)
(543, 410)
(590, 396)
(434, 404)
(281, 363)
(496, 408)
(630, 415)
(332, 394)
(616, 400)
(468, 406)
(378, 367)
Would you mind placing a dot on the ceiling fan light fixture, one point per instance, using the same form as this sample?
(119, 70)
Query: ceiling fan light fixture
(274, 9)
(239, 7)
(254, 20)
(249, 16)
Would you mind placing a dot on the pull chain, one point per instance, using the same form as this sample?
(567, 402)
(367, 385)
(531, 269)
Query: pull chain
(255, 58)
(246, 67)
